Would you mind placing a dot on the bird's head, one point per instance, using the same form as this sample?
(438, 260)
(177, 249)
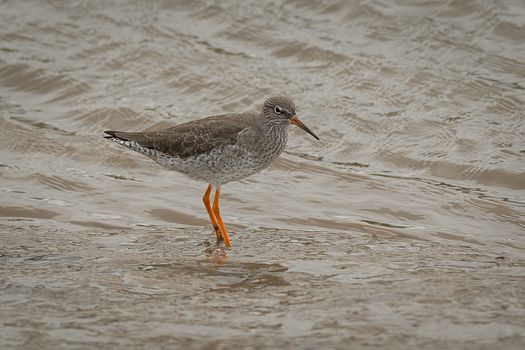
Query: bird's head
(281, 110)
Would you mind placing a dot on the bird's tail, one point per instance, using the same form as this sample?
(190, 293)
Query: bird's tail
(127, 139)
(110, 134)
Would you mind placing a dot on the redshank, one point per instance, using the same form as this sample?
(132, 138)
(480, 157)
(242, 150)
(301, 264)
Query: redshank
(219, 149)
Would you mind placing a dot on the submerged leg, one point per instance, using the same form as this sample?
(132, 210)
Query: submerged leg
(217, 213)
(207, 204)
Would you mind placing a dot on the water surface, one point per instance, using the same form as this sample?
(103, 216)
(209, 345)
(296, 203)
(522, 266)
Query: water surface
(403, 226)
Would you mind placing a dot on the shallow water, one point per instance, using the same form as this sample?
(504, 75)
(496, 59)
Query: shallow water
(403, 226)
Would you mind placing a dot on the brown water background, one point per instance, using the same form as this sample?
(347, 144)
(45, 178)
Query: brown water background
(403, 227)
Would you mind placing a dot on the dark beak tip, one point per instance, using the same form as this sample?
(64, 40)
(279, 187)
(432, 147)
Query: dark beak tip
(295, 120)
(314, 135)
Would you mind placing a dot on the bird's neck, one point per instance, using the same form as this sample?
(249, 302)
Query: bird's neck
(277, 135)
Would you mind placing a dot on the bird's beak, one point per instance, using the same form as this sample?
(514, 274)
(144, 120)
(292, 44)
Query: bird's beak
(294, 120)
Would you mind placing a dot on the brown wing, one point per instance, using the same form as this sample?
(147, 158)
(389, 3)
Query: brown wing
(192, 138)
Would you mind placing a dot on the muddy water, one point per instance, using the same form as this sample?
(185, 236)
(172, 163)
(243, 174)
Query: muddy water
(404, 227)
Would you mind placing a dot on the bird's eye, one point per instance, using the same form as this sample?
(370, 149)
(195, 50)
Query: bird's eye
(277, 110)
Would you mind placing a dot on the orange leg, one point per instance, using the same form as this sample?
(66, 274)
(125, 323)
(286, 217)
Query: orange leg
(207, 204)
(217, 213)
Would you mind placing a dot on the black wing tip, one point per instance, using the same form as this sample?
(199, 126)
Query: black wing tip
(109, 134)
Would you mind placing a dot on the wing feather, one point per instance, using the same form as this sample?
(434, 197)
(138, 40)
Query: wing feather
(192, 138)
